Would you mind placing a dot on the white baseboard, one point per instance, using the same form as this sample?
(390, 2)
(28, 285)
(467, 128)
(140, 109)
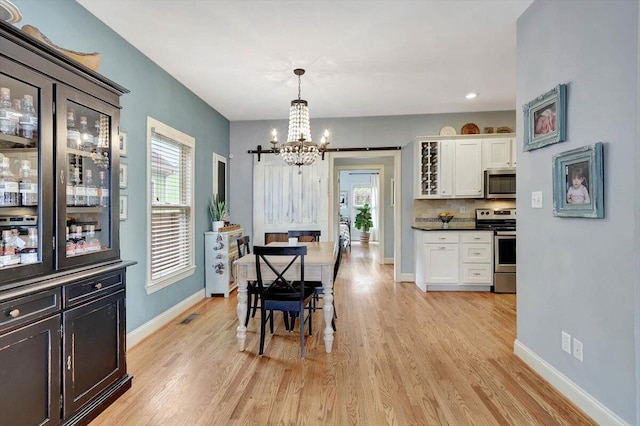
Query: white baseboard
(388, 261)
(408, 277)
(136, 336)
(591, 406)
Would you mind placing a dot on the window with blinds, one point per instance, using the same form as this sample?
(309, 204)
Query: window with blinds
(170, 165)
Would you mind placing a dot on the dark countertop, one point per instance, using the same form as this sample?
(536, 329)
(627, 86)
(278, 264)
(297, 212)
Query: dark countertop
(455, 227)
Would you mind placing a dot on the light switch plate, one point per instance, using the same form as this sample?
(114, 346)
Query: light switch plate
(577, 349)
(566, 342)
(536, 199)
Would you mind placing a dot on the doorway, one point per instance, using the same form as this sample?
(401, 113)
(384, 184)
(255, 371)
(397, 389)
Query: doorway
(389, 217)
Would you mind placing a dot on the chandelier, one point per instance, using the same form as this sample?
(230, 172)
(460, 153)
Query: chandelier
(299, 150)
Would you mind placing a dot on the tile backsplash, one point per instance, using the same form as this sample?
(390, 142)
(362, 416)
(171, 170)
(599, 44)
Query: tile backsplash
(427, 210)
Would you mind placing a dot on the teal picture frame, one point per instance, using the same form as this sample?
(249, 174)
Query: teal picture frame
(545, 119)
(578, 183)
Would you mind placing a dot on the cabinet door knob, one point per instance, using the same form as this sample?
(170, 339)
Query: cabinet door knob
(476, 253)
(476, 238)
(98, 286)
(476, 273)
(69, 363)
(442, 247)
(442, 238)
(14, 313)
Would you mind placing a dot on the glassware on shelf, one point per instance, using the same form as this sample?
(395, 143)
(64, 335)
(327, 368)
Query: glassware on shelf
(27, 187)
(85, 135)
(70, 248)
(6, 112)
(29, 254)
(80, 240)
(93, 244)
(16, 106)
(73, 134)
(28, 118)
(103, 190)
(8, 256)
(9, 188)
(71, 195)
(91, 189)
(79, 190)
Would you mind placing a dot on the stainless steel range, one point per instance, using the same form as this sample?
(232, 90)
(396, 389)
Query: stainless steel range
(503, 223)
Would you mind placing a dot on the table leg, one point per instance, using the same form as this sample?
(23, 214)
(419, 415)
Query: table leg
(327, 309)
(242, 307)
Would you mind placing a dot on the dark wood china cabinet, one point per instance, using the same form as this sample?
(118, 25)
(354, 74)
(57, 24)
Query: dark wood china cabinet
(62, 282)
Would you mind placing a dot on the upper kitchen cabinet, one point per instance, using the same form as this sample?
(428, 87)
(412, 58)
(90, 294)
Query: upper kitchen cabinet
(58, 162)
(499, 153)
(449, 168)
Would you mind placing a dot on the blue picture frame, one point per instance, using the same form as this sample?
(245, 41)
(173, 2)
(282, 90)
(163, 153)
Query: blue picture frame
(578, 183)
(545, 119)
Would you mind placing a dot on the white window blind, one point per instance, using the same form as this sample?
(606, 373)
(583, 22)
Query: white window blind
(171, 189)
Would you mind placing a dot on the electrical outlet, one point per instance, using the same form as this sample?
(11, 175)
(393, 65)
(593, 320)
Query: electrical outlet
(463, 208)
(566, 342)
(577, 349)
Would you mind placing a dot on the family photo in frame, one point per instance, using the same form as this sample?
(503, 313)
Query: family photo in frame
(545, 119)
(578, 183)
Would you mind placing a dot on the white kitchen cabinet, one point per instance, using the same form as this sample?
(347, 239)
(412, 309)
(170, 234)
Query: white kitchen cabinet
(499, 153)
(514, 153)
(454, 260)
(468, 175)
(449, 168)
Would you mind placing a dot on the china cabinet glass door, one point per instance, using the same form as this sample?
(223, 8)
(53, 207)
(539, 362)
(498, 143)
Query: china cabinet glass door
(25, 172)
(88, 222)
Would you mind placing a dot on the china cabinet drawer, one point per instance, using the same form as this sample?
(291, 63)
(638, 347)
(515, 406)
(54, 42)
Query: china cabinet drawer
(479, 273)
(29, 308)
(441, 237)
(77, 293)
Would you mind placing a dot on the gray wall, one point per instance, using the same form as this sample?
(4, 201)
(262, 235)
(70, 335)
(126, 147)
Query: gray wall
(580, 275)
(153, 93)
(349, 132)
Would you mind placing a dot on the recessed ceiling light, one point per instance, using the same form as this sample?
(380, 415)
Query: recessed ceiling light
(471, 95)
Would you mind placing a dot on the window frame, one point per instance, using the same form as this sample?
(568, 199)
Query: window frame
(156, 126)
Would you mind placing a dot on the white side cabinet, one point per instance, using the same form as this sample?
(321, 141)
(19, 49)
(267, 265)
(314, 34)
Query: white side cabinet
(454, 260)
(220, 253)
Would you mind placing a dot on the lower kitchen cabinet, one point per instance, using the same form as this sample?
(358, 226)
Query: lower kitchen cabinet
(30, 373)
(454, 260)
(62, 349)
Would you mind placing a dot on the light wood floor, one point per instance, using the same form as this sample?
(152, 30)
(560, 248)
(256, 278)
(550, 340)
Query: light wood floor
(400, 357)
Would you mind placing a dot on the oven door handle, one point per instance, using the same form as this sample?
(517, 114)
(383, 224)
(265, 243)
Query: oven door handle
(506, 233)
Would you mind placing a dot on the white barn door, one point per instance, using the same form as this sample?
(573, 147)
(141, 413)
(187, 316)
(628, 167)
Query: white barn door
(284, 199)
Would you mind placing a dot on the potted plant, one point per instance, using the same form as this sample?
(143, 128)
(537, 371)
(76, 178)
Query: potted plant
(217, 212)
(364, 223)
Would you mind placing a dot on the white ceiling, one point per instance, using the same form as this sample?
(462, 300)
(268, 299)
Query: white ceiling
(363, 58)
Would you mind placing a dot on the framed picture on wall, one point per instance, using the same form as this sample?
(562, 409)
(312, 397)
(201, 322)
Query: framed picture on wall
(124, 175)
(545, 119)
(124, 144)
(344, 197)
(124, 207)
(578, 183)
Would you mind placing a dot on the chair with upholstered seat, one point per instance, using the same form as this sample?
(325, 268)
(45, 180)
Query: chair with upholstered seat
(253, 292)
(286, 294)
(305, 235)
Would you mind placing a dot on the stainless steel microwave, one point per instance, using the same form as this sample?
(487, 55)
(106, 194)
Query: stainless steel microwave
(500, 183)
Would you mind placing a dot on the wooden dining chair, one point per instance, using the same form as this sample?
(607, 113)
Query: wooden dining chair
(253, 292)
(291, 296)
(305, 235)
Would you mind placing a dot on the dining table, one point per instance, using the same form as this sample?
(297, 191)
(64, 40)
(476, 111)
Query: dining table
(318, 266)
